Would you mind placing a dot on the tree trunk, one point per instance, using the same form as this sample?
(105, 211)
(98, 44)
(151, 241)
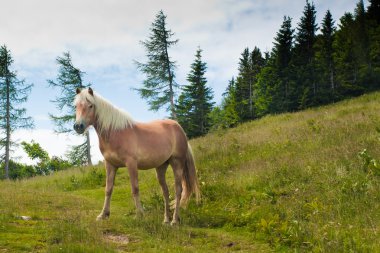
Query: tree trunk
(170, 75)
(332, 83)
(8, 127)
(88, 146)
(250, 99)
(172, 106)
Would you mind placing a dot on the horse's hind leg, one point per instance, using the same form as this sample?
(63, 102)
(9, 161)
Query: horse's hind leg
(177, 166)
(133, 175)
(161, 171)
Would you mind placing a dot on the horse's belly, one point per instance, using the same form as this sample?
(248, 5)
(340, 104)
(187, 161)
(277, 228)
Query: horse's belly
(143, 162)
(113, 159)
(144, 165)
(151, 161)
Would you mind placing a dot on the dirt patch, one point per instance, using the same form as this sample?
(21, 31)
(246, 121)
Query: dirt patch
(119, 239)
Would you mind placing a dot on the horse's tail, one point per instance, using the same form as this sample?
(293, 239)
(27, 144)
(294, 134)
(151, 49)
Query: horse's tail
(189, 179)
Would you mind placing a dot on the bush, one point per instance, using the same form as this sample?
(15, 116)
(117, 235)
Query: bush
(18, 170)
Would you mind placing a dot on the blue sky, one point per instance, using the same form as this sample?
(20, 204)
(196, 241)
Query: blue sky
(103, 39)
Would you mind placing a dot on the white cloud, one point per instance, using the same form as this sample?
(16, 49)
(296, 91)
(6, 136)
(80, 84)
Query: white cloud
(106, 32)
(103, 38)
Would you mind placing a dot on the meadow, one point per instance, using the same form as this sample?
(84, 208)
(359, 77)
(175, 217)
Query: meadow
(296, 182)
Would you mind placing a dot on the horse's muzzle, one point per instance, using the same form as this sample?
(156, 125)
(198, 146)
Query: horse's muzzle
(79, 128)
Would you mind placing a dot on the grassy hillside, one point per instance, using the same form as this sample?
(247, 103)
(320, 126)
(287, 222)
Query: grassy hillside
(289, 183)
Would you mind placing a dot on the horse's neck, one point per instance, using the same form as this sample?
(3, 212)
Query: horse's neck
(110, 118)
(102, 133)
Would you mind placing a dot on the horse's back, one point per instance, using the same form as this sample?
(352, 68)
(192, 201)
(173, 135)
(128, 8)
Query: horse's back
(164, 126)
(166, 130)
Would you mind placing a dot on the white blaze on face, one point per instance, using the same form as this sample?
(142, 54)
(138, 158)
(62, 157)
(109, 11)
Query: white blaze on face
(83, 112)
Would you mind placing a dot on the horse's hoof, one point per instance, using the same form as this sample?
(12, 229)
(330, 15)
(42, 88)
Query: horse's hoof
(139, 215)
(174, 223)
(102, 217)
(166, 222)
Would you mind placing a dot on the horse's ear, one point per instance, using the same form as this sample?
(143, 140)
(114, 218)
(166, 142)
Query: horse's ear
(90, 91)
(78, 90)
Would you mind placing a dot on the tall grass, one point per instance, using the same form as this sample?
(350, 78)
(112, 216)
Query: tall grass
(301, 182)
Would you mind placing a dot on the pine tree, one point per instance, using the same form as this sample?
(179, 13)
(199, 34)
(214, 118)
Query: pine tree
(362, 46)
(325, 59)
(267, 92)
(196, 99)
(250, 65)
(183, 109)
(13, 92)
(346, 62)
(373, 11)
(304, 57)
(68, 80)
(225, 115)
(373, 20)
(256, 64)
(283, 97)
(159, 86)
(229, 105)
(306, 34)
(243, 86)
(283, 44)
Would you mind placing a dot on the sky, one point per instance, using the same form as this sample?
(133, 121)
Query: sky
(103, 38)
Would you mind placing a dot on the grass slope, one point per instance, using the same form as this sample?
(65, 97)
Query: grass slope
(288, 183)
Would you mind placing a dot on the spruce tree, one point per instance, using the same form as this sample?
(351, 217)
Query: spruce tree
(159, 86)
(265, 91)
(256, 64)
(306, 35)
(243, 86)
(283, 44)
(284, 96)
(373, 20)
(346, 62)
(225, 115)
(373, 11)
(362, 46)
(303, 59)
(325, 59)
(13, 92)
(196, 100)
(250, 65)
(229, 105)
(69, 78)
(183, 109)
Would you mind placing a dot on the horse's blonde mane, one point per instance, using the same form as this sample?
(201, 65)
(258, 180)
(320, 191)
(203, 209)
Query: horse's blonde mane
(109, 116)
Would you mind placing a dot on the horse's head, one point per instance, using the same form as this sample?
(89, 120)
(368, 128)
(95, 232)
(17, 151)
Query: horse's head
(85, 110)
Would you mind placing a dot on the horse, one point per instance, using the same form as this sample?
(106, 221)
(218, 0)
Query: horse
(125, 142)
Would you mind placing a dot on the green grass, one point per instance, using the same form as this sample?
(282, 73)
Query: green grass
(285, 183)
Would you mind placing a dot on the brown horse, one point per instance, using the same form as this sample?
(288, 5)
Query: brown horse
(127, 143)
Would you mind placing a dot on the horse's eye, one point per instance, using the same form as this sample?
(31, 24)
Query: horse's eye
(91, 106)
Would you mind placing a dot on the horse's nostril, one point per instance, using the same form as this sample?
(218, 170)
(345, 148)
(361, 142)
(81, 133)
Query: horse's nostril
(79, 127)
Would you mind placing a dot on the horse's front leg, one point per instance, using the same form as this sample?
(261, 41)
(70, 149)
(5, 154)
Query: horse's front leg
(133, 175)
(110, 174)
